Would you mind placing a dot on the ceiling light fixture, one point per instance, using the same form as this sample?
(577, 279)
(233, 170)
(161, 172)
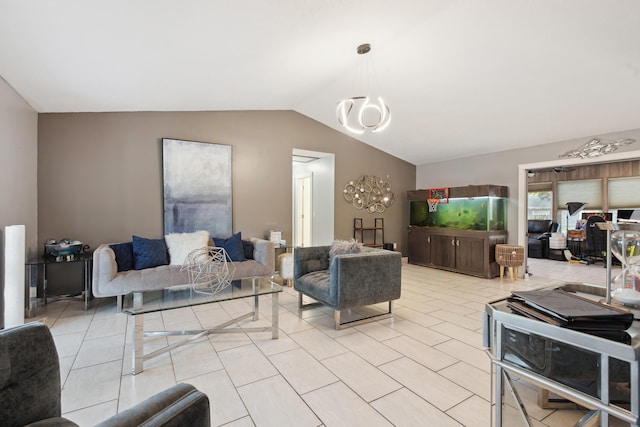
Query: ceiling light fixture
(597, 147)
(360, 113)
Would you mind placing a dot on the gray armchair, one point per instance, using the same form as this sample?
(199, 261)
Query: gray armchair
(348, 281)
(30, 388)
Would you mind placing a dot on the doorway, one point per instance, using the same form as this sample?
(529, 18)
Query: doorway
(313, 183)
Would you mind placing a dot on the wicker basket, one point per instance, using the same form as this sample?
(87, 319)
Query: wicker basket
(510, 255)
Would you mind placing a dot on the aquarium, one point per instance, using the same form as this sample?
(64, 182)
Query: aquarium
(477, 213)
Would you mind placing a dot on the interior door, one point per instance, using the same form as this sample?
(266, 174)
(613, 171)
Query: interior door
(303, 213)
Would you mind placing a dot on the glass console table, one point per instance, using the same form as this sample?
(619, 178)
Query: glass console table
(571, 364)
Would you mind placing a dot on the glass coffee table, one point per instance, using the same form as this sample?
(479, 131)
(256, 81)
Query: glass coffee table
(141, 303)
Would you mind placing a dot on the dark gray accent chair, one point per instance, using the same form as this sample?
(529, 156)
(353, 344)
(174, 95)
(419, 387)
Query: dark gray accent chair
(348, 281)
(30, 393)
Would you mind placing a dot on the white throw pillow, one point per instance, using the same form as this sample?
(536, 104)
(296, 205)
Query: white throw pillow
(181, 244)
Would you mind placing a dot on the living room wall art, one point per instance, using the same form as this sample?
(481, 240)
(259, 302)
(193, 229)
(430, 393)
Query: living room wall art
(197, 187)
(369, 193)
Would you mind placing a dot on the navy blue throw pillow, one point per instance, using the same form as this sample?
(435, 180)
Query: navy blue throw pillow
(124, 255)
(233, 246)
(149, 253)
(247, 245)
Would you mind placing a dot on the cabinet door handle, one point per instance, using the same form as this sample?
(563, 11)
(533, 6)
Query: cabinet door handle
(453, 242)
(457, 242)
(429, 239)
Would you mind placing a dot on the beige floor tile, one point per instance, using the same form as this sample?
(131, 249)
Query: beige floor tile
(172, 319)
(459, 333)
(107, 326)
(70, 325)
(473, 379)
(246, 364)
(69, 344)
(404, 408)
(474, 411)
(91, 386)
(435, 389)
(65, 367)
(242, 422)
(224, 342)
(368, 348)
(290, 323)
(136, 388)
(426, 336)
(326, 324)
(467, 353)
(225, 402)
(195, 359)
(378, 330)
(268, 346)
(272, 402)
(421, 353)
(93, 414)
(337, 405)
(302, 371)
(415, 316)
(369, 382)
(100, 350)
(318, 344)
(213, 317)
(456, 318)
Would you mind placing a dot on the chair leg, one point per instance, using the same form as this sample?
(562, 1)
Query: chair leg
(373, 318)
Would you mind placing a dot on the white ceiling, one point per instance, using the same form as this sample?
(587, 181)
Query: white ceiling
(461, 77)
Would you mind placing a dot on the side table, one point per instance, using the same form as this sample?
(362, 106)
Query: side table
(40, 264)
(511, 256)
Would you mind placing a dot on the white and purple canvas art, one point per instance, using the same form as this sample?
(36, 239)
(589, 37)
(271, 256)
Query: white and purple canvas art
(197, 187)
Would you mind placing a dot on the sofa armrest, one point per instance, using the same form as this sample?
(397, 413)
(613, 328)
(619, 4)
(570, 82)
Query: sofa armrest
(180, 405)
(366, 278)
(264, 253)
(104, 268)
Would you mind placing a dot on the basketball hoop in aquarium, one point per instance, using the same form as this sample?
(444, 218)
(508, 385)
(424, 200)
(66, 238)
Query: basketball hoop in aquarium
(433, 204)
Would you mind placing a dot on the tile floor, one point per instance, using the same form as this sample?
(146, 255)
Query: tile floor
(424, 367)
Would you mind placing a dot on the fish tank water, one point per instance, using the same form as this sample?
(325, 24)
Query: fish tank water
(477, 213)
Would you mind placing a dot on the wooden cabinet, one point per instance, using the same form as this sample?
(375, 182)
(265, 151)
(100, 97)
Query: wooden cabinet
(419, 246)
(462, 251)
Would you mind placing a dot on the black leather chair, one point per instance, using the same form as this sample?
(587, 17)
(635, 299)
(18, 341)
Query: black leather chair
(30, 393)
(539, 231)
(595, 241)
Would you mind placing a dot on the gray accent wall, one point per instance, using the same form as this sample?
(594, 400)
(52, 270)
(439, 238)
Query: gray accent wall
(101, 173)
(18, 172)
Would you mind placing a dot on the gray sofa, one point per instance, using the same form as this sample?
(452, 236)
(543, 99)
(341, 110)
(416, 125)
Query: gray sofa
(348, 281)
(108, 282)
(30, 389)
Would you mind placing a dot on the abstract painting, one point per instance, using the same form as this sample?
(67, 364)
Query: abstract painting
(197, 187)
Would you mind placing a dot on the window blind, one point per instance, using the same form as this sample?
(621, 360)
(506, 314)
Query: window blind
(539, 186)
(588, 191)
(624, 192)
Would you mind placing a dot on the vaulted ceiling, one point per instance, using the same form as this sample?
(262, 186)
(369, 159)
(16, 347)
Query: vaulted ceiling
(462, 77)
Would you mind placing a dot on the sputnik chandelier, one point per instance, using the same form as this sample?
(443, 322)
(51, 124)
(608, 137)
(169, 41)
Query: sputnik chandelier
(360, 113)
(597, 147)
